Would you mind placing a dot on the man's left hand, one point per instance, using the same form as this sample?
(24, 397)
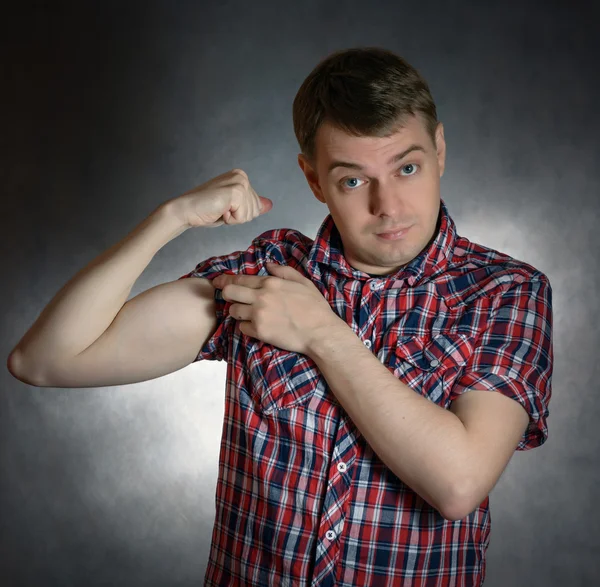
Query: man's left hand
(284, 309)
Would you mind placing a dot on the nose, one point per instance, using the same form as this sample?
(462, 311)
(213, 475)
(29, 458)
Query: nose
(385, 200)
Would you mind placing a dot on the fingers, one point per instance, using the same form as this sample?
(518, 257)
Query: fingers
(246, 281)
(255, 205)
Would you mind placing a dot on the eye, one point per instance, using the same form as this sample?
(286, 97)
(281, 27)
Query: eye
(410, 165)
(344, 184)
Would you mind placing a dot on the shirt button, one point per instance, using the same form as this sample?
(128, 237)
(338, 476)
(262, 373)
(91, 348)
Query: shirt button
(330, 534)
(342, 467)
(375, 284)
(367, 343)
(434, 363)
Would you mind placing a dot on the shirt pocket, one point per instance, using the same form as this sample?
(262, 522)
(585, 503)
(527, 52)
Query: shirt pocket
(430, 365)
(280, 379)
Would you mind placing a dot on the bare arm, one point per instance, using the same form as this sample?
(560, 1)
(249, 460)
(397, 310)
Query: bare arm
(90, 335)
(90, 312)
(159, 331)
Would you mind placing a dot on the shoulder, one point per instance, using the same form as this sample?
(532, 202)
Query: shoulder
(475, 270)
(287, 246)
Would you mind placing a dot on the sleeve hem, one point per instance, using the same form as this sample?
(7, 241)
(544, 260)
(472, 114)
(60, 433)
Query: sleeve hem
(537, 431)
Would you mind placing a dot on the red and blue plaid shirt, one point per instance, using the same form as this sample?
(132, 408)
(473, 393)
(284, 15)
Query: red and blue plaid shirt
(302, 499)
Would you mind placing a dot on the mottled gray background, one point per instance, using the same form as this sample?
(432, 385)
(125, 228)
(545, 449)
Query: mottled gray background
(110, 109)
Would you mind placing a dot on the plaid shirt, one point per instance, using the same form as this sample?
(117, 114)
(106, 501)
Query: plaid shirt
(302, 499)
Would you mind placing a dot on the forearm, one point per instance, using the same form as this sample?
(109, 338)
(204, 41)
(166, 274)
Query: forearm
(422, 443)
(86, 305)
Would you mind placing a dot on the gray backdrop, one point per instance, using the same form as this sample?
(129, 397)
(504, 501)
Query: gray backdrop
(110, 109)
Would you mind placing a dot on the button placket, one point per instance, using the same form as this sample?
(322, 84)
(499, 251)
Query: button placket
(336, 497)
(374, 285)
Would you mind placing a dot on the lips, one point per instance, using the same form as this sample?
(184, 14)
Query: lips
(395, 230)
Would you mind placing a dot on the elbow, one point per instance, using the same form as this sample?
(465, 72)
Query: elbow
(454, 513)
(14, 364)
(460, 506)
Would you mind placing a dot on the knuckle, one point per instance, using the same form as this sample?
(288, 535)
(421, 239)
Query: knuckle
(244, 184)
(261, 314)
(238, 188)
(271, 282)
(241, 174)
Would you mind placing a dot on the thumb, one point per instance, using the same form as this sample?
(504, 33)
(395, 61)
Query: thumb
(265, 204)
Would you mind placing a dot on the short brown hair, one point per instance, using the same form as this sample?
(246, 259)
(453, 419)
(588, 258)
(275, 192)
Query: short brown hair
(365, 91)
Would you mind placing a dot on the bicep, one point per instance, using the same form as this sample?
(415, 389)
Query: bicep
(159, 331)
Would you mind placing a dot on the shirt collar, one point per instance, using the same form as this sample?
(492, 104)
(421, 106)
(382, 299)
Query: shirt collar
(327, 250)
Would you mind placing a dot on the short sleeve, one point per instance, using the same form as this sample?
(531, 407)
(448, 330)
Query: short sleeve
(249, 262)
(514, 355)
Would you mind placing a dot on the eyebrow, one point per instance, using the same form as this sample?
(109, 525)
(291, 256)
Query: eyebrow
(394, 159)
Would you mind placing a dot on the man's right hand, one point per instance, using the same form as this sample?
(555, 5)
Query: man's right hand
(226, 199)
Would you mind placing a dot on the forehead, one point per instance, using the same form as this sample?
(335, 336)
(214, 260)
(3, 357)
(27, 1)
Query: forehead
(333, 143)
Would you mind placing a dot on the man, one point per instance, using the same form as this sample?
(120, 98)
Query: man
(333, 472)
(379, 377)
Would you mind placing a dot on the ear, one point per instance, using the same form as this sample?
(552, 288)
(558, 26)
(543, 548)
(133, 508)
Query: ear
(311, 177)
(440, 143)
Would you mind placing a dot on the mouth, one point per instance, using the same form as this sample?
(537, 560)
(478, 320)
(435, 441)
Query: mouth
(394, 234)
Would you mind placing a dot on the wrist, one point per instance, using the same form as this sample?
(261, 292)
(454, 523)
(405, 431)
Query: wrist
(169, 216)
(328, 335)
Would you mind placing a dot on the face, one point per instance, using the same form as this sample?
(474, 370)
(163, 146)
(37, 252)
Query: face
(374, 185)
